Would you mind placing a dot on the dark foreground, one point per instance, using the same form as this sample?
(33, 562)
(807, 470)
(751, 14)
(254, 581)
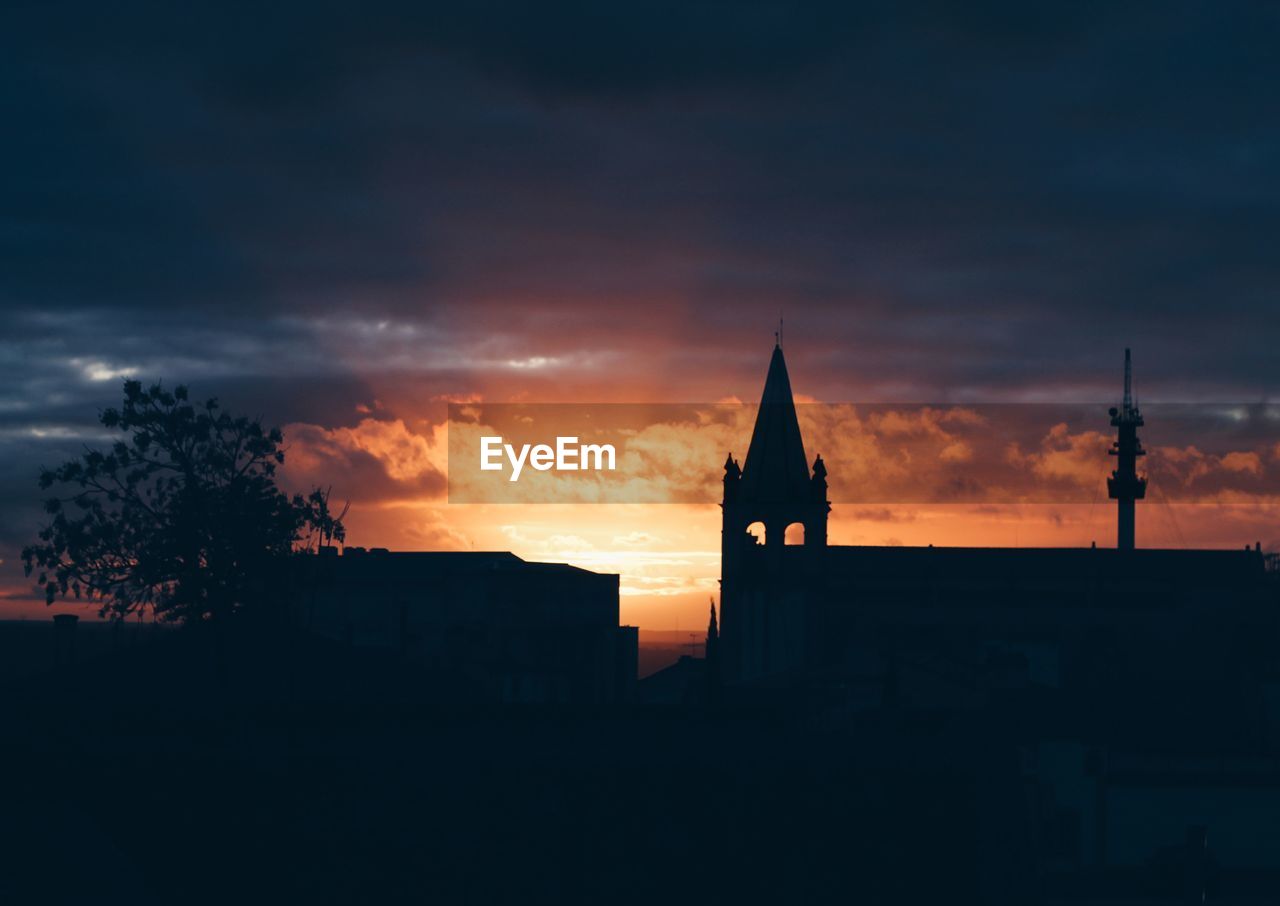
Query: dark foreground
(165, 773)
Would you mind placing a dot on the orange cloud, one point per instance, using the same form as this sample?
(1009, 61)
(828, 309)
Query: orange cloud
(375, 460)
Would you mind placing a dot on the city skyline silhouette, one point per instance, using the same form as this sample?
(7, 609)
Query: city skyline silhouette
(936, 558)
(1204, 484)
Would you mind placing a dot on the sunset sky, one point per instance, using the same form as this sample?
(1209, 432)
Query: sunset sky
(342, 222)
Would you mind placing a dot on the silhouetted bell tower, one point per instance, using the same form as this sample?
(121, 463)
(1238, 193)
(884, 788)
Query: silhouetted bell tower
(1125, 486)
(760, 631)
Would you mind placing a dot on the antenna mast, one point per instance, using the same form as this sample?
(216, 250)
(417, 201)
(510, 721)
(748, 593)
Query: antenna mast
(1124, 485)
(1128, 382)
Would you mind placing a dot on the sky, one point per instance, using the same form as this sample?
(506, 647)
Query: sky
(341, 220)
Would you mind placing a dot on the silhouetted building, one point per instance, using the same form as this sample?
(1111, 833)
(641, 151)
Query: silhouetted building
(627, 662)
(1113, 709)
(681, 683)
(498, 627)
(768, 601)
(64, 638)
(795, 607)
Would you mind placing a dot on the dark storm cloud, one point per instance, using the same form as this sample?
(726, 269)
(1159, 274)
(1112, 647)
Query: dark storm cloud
(306, 154)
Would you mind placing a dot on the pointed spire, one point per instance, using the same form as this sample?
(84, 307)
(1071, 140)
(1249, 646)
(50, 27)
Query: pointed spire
(732, 479)
(711, 655)
(776, 470)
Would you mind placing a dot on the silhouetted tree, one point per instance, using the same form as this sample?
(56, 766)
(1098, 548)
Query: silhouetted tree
(323, 528)
(181, 515)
